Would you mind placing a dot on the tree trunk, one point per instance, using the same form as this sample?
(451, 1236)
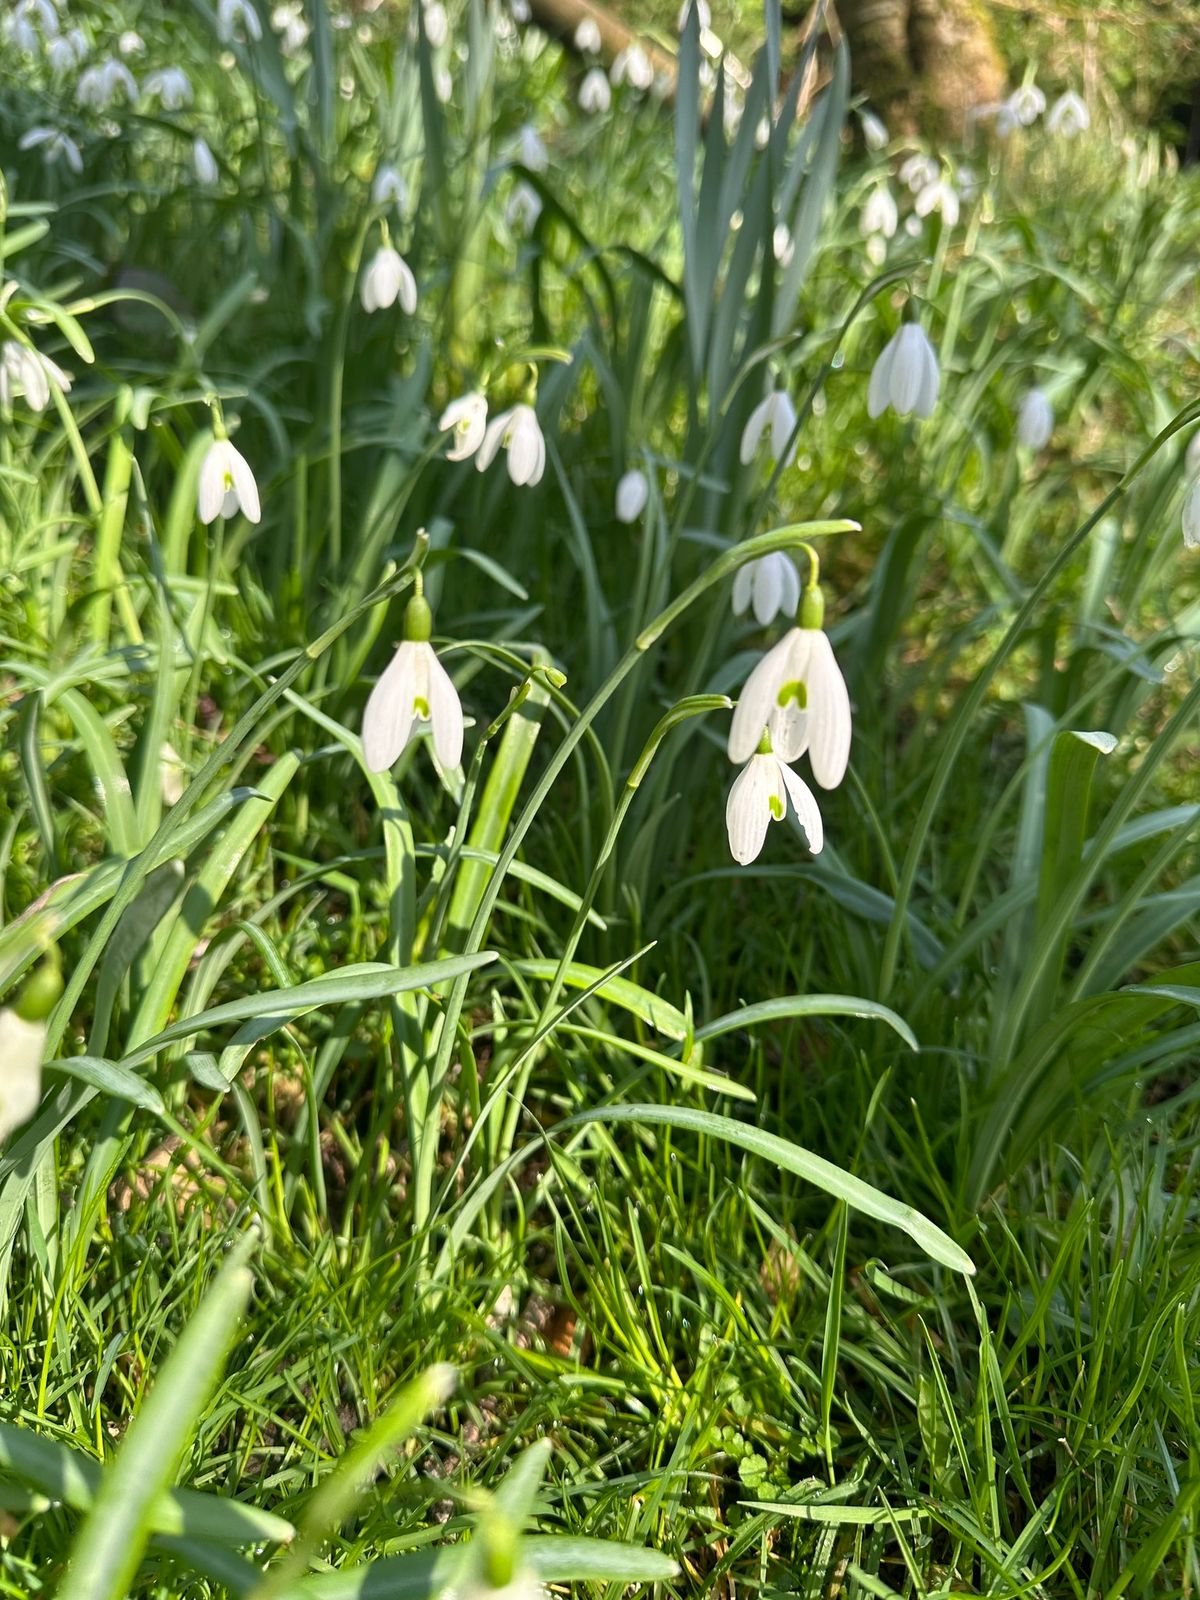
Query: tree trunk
(922, 63)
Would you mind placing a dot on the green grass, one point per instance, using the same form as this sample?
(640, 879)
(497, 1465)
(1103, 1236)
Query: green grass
(674, 1161)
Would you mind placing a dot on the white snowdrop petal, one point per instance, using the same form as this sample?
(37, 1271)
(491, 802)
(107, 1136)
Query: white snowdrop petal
(243, 482)
(908, 374)
(879, 389)
(756, 425)
(389, 715)
(791, 715)
(804, 804)
(21, 1046)
(927, 391)
(446, 716)
(830, 725)
(748, 811)
(789, 602)
(492, 439)
(755, 705)
(210, 486)
(743, 587)
(408, 289)
(768, 589)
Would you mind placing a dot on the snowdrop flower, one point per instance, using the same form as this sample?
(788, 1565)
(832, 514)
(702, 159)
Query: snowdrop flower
(289, 23)
(467, 416)
(533, 153)
(1068, 116)
(204, 162)
(235, 14)
(26, 372)
(226, 484)
(171, 86)
(782, 246)
(99, 86)
(879, 215)
(918, 171)
(759, 797)
(521, 10)
(587, 37)
(595, 96)
(1027, 104)
(31, 21)
(999, 111)
(520, 433)
(776, 415)
(524, 207)
(633, 491)
(1191, 458)
(60, 53)
(55, 146)
(632, 66)
(437, 27)
(389, 188)
(1191, 518)
(771, 585)
(389, 278)
(413, 689)
(798, 695)
(21, 1046)
(1035, 420)
(702, 12)
(875, 135)
(905, 376)
(939, 196)
(131, 43)
(731, 115)
(443, 85)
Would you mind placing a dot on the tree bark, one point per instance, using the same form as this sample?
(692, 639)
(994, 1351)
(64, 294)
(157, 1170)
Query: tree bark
(923, 63)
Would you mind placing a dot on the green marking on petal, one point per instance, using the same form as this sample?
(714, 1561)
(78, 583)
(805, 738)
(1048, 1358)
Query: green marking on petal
(776, 805)
(796, 690)
(421, 706)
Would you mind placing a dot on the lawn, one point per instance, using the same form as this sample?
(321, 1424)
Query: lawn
(599, 875)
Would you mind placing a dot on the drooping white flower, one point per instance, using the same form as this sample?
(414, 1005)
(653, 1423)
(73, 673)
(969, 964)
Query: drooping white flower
(171, 86)
(875, 135)
(595, 95)
(633, 490)
(798, 695)
(759, 797)
(55, 146)
(1191, 517)
(100, 84)
(31, 21)
(22, 1044)
(226, 484)
(30, 374)
(587, 37)
(520, 434)
(1035, 420)
(533, 152)
(905, 376)
(524, 207)
(290, 23)
(131, 43)
(702, 12)
(919, 170)
(521, 10)
(880, 214)
(204, 162)
(1068, 115)
(1027, 104)
(235, 14)
(938, 196)
(633, 67)
(771, 585)
(389, 278)
(782, 246)
(443, 84)
(732, 111)
(413, 689)
(775, 415)
(467, 417)
(388, 187)
(999, 112)
(60, 53)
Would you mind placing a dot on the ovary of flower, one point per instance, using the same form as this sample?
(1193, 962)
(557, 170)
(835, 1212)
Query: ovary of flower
(204, 162)
(880, 215)
(1027, 104)
(520, 433)
(759, 797)
(467, 417)
(388, 187)
(232, 14)
(226, 484)
(905, 376)
(633, 490)
(587, 37)
(100, 85)
(938, 196)
(524, 206)
(1035, 420)
(1191, 517)
(798, 695)
(875, 134)
(775, 415)
(171, 86)
(595, 95)
(918, 170)
(26, 372)
(771, 585)
(1068, 116)
(389, 278)
(21, 1046)
(55, 145)
(413, 689)
(633, 66)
